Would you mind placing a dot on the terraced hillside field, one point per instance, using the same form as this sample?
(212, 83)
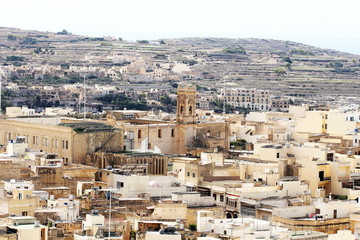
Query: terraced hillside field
(285, 67)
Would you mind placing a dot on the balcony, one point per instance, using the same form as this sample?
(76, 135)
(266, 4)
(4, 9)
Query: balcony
(232, 208)
(325, 179)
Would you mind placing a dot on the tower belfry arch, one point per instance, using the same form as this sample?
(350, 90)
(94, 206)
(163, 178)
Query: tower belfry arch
(186, 105)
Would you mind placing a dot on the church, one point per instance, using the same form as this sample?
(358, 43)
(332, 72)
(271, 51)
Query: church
(186, 134)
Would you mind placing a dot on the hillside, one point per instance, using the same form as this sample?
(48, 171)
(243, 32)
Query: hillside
(289, 68)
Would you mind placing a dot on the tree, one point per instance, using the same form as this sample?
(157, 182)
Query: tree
(162, 42)
(238, 50)
(192, 227)
(65, 66)
(15, 58)
(143, 41)
(142, 96)
(165, 100)
(189, 62)
(120, 39)
(29, 40)
(280, 72)
(38, 50)
(336, 64)
(288, 66)
(11, 37)
(63, 32)
(287, 59)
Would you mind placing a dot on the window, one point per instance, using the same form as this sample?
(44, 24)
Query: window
(159, 133)
(188, 173)
(277, 155)
(67, 145)
(34, 140)
(193, 175)
(214, 196)
(20, 196)
(63, 144)
(119, 184)
(172, 132)
(24, 213)
(139, 133)
(330, 157)
(221, 198)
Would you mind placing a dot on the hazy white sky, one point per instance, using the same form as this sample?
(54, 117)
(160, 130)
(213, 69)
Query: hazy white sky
(325, 23)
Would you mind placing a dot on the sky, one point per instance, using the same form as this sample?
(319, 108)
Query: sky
(332, 24)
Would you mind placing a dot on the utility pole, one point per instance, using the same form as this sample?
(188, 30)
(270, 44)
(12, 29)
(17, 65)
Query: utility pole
(0, 91)
(224, 106)
(109, 213)
(109, 193)
(84, 99)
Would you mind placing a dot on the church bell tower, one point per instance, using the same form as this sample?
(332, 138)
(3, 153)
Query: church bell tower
(186, 105)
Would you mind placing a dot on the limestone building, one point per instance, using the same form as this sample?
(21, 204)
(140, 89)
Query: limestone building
(71, 141)
(188, 134)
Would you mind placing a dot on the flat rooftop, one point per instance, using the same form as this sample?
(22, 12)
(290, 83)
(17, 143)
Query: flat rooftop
(86, 127)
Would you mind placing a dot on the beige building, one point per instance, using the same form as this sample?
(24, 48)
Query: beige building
(25, 228)
(19, 111)
(16, 198)
(328, 217)
(187, 134)
(253, 99)
(71, 141)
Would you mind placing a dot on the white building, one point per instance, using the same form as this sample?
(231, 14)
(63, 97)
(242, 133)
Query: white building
(67, 208)
(135, 185)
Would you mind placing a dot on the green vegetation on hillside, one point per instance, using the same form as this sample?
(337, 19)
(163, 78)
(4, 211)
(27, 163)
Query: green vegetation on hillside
(239, 50)
(302, 52)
